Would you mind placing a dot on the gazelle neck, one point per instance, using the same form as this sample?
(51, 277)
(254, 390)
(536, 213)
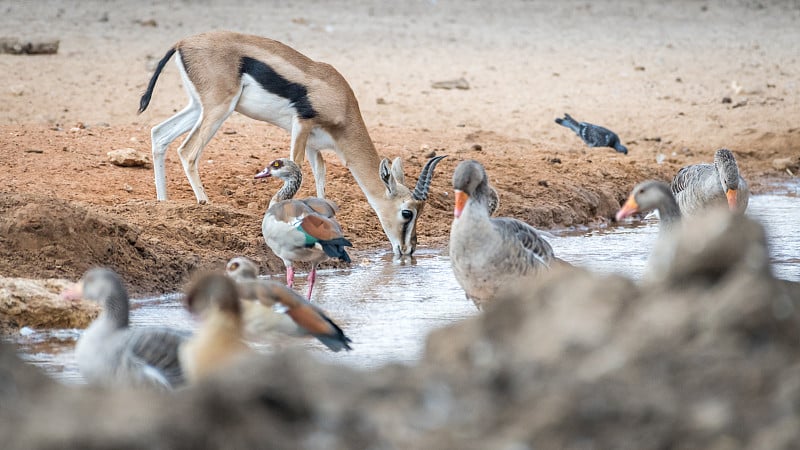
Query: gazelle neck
(365, 167)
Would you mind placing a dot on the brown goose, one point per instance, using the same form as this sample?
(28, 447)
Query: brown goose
(217, 343)
(649, 195)
(259, 318)
(699, 186)
(109, 353)
(300, 318)
(300, 230)
(490, 255)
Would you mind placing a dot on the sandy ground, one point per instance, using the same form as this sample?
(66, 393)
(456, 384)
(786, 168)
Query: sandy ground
(676, 80)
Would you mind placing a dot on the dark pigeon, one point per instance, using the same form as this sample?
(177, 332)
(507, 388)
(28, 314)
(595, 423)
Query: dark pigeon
(593, 135)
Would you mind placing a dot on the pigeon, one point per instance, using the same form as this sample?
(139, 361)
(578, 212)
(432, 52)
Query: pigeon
(593, 135)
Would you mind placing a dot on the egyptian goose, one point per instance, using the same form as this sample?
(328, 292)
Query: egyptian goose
(109, 353)
(300, 230)
(652, 195)
(259, 318)
(490, 256)
(306, 319)
(699, 186)
(217, 343)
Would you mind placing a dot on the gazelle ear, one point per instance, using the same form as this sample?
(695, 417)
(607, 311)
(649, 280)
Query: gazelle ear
(397, 171)
(388, 178)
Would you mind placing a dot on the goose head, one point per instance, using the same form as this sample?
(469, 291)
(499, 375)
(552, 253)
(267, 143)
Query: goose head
(647, 196)
(283, 168)
(241, 268)
(212, 292)
(104, 286)
(728, 172)
(470, 181)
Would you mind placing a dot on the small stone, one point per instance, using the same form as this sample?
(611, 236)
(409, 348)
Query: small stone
(16, 47)
(127, 187)
(229, 131)
(430, 154)
(34, 150)
(128, 157)
(148, 23)
(543, 183)
(726, 100)
(476, 147)
(380, 101)
(460, 83)
(424, 147)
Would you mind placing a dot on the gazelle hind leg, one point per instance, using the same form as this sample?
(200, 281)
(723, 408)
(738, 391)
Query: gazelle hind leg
(196, 141)
(318, 169)
(301, 129)
(163, 134)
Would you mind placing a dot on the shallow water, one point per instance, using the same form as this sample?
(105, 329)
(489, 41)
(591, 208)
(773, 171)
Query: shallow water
(387, 308)
(624, 249)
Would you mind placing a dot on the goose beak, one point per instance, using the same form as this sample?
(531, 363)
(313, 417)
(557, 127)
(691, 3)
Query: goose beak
(629, 208)
(264, 173)
(731, 195)
(73, 293)
(461, 200)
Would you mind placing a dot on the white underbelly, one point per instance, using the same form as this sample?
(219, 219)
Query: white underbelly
(260, 104)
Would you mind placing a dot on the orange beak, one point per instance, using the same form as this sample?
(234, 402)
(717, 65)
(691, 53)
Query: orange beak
(461, 200)
(731, 195)
(73, 293)
(630, 207)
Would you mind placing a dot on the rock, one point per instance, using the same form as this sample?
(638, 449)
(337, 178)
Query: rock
(15, 46)
(38, 304)
(700, 250)
(128, 157)
(459, 83)
(782, 164)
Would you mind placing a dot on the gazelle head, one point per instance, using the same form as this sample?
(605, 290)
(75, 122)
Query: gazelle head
(400, 208)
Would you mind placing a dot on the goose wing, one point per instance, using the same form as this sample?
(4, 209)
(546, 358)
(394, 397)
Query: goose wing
(538, 250)
(150, 357)
(321, 206)
(690, 177)
(309, 318)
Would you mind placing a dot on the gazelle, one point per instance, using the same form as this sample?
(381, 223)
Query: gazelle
(266, 80)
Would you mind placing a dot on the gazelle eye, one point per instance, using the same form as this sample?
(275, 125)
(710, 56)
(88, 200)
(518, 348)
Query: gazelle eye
(234, 266)
(407, 214)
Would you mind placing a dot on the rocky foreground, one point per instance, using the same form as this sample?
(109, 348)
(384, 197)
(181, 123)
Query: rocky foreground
(705, 355)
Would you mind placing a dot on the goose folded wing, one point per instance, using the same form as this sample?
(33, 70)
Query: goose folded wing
(321, 228)
(681, 180)
(321, 206)
(527, 237)
(153, 353)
